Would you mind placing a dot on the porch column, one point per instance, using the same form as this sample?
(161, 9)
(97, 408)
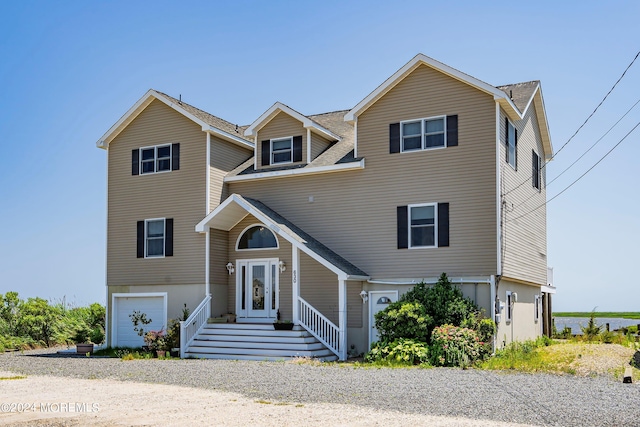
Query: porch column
(342, 317)
(295, 283)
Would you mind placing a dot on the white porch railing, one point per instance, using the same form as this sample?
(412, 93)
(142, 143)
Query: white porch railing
(320, 327)
(190, 327)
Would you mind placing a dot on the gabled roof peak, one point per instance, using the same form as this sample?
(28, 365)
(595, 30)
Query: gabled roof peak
(279, 107)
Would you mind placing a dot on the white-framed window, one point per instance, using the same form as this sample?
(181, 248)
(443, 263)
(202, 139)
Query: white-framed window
(511, 145)
(256, 237)
(509, 307)
(536, 308)
(423, 229)
(282, 150)
(536, 175)
(423, 134)
(154, 238)
(155, 159)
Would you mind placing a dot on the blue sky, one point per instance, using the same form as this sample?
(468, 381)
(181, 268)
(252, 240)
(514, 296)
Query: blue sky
(70, 70)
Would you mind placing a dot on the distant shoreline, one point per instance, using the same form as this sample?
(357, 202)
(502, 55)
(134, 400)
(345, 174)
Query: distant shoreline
(611, 314)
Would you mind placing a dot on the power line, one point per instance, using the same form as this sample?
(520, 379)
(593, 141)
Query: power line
(579, 178)
(601, 102)
(595, 143)
(582, 125)
(584, 154)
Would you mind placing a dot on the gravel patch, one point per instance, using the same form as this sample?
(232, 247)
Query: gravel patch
(536, 399)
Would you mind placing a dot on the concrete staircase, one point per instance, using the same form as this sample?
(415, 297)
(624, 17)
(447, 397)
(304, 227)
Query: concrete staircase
(250, 341)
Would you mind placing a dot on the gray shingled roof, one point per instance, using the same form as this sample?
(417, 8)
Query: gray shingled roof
(308, 241)
(520, 93)
(210, 119)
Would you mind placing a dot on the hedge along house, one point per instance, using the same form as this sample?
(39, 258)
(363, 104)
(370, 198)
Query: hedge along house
(325, 219)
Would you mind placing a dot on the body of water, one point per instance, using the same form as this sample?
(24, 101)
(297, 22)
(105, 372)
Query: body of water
(576, 322)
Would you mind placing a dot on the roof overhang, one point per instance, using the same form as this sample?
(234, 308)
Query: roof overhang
(235, 208)
(144, 102)
(541, 115)
(278, 108)
(309, 170)
(420, 59)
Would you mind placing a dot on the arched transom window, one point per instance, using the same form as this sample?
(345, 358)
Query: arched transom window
(257, 237)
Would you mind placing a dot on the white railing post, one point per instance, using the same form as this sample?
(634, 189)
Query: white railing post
(295, 283)
(320, 327)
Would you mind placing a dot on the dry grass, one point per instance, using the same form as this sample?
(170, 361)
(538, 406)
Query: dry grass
(575, 358)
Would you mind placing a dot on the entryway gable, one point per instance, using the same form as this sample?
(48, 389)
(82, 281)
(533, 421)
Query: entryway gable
(236, 207)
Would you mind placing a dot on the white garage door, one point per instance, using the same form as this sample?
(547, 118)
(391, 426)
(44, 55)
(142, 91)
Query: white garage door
(153, 305)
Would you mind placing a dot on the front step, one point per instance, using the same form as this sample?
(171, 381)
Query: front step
(244, 341)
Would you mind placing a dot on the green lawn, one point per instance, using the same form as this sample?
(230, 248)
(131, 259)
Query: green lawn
(622, 314)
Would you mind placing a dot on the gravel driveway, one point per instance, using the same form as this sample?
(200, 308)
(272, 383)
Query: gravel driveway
(537, 399)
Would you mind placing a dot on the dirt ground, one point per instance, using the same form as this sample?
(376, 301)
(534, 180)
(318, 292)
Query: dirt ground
(54, 401)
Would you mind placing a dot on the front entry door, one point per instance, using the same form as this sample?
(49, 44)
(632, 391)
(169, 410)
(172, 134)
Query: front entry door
(257, 290)
(378, 301)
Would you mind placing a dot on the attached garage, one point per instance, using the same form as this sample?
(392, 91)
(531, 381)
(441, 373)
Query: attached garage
(154, 305)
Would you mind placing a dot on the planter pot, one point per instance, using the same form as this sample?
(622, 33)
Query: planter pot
(161, 353)
(84, 348)
(283, 326)
(231, 318)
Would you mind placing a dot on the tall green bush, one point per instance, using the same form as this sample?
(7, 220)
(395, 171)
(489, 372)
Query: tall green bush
(404, 319)
(400, 351)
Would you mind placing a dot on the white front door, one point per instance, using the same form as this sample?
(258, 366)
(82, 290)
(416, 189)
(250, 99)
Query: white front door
(257, 290)
(378, 301)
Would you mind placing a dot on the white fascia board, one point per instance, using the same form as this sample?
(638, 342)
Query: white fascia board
(543, 123)
(300, 171)
(228, 137)
(430, 280)
(131, 114)
(548, 289)
(418, 60)
(357, 278)
(278, 107)
(202, 226)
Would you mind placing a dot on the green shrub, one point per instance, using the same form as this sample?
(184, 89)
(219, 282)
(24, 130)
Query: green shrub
(592, 330)
(404, 319)
(454, 346)
(401, 351)
(444, 302)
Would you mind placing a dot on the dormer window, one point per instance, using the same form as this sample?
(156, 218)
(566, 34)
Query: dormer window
(281, 150)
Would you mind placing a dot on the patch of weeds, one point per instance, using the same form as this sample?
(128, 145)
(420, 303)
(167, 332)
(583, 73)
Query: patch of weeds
(282, 404)
(299, 405)
(531, 356)
(263, 402)
(15, 377)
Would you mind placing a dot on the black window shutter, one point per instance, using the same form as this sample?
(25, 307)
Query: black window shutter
(452, 131)
(175, 157)
(168, 237)
(394, 138)
(140, 240)
(515, 136)
(266, 152)
(506, 137)
(297, 148)
(443, 224)
(535, 170)
(403, 227)
(135, 162)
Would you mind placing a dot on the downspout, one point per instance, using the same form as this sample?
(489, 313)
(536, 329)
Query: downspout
(495, 279)
(207, 259)
(108, 332)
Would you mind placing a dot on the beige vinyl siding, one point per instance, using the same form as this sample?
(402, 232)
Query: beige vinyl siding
(224, 157)
(354, 212)
(281, 126)
(283, 254)
(177, 194)
(319, 287)
(218, 274)
(524, 239)
(318, 145)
